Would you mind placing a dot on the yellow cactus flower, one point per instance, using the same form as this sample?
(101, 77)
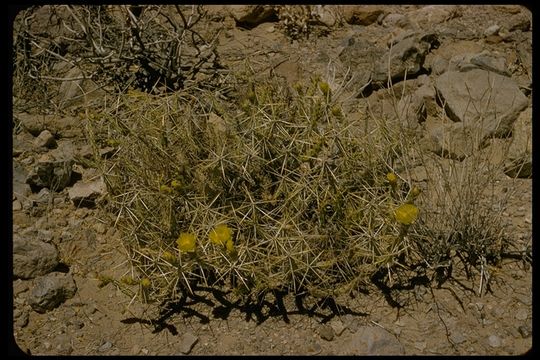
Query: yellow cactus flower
(165, 189)
(406, 214)
(186, 242)
(221, 234)
(392, 178)
(325, 88)
(146, 283)
(176, 185)
(336, 111)
(415, 191)
(167, 256)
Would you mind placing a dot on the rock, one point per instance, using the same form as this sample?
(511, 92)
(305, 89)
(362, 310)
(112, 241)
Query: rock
(396, 20)
(21, 190)
(525, 331)
(326, 332)
(326, 15)
(494, 341)
(32, 257)
(62, 344)
(42, 197)
(372, 340)
(313, 348)
(519, 158)
(17, 206)
(521, 314)
(454, 140)
(403, 59)
(457, 337)
(488, 62)
(439, 65)
(337, 326)
(520, 21)
(187, 342)
(361, 14)
(50, 291)
(21, 318)
(492, 30)
(481, 98)
(106, 346)
(250, 16)
(420, 345)
(433, 14)
(45, 139)
(360, 54)
(87, 193)
(413, 109)
(351, 323)
(50, 173)
(66, 127)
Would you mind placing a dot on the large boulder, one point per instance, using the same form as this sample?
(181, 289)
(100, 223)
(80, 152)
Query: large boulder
(32, 257)
(481, 98)
(50, 291)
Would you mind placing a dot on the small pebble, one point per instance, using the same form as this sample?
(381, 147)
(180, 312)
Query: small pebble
(106, 346)
(187, 342)
(494, 341)
(45, 139)
(521, 314)
(314, 349)
(525, 331)
(420, 345)
(457, 338)
(326, 332)
(492, 30)
(17, 206)
(337, 326)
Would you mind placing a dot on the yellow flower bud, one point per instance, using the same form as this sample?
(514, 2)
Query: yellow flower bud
(146, 283)
(167, 256)
(406, 214)
(325, 88)
(176, 185)
(165, 189)
(221, 234)
(186, 242)
(392, 178)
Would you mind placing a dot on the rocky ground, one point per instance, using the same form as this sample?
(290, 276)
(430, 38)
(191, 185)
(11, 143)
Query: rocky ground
(62, 241)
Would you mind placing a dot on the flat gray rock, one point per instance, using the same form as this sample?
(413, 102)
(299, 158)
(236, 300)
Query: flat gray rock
(481, 98)
(32, 257)
(187, 342)
(373, 340)
(50, 291)
(87, 193)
